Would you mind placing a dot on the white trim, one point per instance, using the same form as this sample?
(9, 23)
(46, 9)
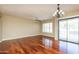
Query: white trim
(25, 36)
(18, 37)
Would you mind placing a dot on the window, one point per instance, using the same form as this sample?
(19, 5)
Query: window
(69, 30)
(47, 27)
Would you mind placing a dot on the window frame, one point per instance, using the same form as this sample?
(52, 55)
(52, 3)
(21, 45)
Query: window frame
(50, 31)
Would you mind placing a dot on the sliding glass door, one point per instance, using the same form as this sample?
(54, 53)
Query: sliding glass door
(69, 30)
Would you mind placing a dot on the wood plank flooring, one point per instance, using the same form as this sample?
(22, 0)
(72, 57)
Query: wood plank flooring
(31, 45)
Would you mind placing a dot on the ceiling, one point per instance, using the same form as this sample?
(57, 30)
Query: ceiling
(35, 11)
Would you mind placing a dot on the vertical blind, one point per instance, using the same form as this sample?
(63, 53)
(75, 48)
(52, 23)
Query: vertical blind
(68, 29)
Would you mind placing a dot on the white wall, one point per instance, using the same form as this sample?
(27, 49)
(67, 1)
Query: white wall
(15, 27)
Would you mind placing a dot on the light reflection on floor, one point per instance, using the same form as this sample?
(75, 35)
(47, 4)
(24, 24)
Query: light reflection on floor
(69, 48)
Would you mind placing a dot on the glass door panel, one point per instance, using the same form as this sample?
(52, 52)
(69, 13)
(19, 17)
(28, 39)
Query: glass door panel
(73, 30)
(63, 30)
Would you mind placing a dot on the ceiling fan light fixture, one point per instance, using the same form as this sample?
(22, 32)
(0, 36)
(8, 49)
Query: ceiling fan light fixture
(58, 13)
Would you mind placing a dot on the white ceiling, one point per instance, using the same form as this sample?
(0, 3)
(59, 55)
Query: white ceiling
(39, 11)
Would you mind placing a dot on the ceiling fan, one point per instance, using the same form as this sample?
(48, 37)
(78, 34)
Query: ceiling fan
(58, 13)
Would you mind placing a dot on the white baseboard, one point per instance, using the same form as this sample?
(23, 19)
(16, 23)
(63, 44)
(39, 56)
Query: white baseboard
(18, 37)
(23, 37)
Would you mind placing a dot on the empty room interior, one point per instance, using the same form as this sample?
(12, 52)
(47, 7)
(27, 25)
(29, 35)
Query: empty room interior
(39, 28)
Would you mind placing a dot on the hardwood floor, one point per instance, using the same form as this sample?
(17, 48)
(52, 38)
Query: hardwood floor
(31, 45)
